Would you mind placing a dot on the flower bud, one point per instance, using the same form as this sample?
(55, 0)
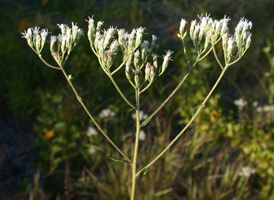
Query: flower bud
(192, 27)
(108, 36)
(248, 41)
(153, 41)
(136, 60)
(44, 34)
(139, 36)
(63, 28)
(131, 41)
(137, 74)
(147, 71)
(151, 74)
(230, 47)
(182, 27)
(145, 50)
(52, 44)
(155, 63)
(28, 35)
(165, 62)
(114, 46)
(128, 70)
(91, 30)
(38, 43)
(99, 25)
(122, 37)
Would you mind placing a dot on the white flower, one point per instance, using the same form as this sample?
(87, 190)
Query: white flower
(91, 150)
(91, 131)
(142, 115)
(240, 103)
(267, 108)
(247, 171)
(142, 136)
(106, 113)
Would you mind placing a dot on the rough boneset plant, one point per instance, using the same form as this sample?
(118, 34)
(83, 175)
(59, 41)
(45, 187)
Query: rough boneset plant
(141, 64)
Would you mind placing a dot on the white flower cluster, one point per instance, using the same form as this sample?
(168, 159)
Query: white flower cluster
(206, 29)
(61, 45)
(240, 103)
(142, 115)
(135, 50)
(240, 41)
(91, 131)
(247, 171)
(36, 39)
(210, 31)
(106, 113)
(266, 109)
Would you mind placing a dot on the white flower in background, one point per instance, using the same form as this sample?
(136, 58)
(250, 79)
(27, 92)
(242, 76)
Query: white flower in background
(142, 115)
(142, 136)
(91, 131)
(91, 150)
(247, 171)
(106, 113)
(240, 103)
(267, 108)
(255, 104)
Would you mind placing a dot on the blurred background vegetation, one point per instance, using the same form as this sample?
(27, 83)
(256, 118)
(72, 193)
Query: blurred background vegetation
(48, 152)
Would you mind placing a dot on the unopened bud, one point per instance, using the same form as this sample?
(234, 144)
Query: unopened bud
(99, 25)
(248, 41)
(136, 60)
(167, 57)
(153, 41)
(155, 63)
(139, 36)
(52, 44)
(182, 27)
(147, 71)
(44, 34)
(131, 41)
(38, 43)
(63, 28)
(192, 27)
(109, 34)
(122, 37)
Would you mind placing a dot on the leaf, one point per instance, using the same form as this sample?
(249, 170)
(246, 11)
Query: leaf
(146, 122)
(122, 161)
(145, 171)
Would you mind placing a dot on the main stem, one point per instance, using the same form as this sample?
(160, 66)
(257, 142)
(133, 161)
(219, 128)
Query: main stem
(134, 162)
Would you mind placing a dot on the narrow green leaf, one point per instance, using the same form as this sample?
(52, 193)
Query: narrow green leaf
(122, 161)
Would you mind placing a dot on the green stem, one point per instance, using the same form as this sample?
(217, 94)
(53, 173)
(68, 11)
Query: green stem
(171, 94)
(91, 117)
(120, 92)
(198, 59)
(216, 57)
(118, 68)
(188, 124)
(45, 62)
(135, 155)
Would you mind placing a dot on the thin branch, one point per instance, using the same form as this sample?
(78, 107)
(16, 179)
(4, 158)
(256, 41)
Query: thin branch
(188, 124)
(91, 117)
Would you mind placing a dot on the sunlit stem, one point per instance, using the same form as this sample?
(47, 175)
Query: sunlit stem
(135, 154)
